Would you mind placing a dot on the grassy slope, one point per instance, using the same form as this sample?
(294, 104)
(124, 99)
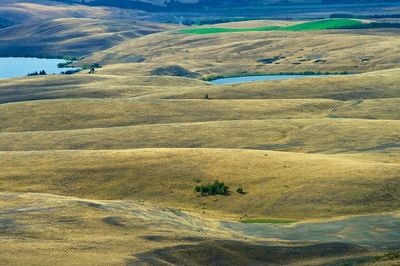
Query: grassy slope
(68, 114)
(40, 229)
(225, 30)
(59, 30)
(285, 115)
(43, 229)
(110, 82)
(352, 120)
(230, 54)
(294, 125)
(89, 86)
(70, 36)
(313, 25)
(278, 184)
(379, 85)
(308, 135)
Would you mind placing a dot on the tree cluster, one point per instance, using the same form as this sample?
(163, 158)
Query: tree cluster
(216, 188)
(40, 73)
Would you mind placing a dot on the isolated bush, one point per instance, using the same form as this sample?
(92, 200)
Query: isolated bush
(216, 188)
(70, 72)
(90, 66)
(65, 64)
(240, 190)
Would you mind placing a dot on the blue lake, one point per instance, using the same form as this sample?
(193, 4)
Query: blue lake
(238, 80)
(12, 67)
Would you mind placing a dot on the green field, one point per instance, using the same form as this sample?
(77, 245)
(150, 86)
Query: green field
(307, 26)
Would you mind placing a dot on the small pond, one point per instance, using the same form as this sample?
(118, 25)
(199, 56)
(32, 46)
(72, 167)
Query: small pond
(245, 79)
(12, 67)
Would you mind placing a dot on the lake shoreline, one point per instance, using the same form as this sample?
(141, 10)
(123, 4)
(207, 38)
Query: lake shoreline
(230, 80)
(15, 67)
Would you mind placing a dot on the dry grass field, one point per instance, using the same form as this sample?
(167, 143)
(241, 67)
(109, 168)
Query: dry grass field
(54, 29)
(239, 53)
(103, 166)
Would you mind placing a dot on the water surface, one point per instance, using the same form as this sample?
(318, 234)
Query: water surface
(12, 67)
(238, 80)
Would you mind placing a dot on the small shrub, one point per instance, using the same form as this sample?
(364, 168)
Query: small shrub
(70, 72)
(240, 190)
(65, 64)
(90, 66)
(216, 188)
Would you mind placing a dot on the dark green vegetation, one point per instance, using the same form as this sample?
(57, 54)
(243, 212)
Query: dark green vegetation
(70, 72)
(91, 65)
(374, 25)
(216, 188)
(65, 65)
(40, 73)
(69, 61)
(240, 190)
(308, 26)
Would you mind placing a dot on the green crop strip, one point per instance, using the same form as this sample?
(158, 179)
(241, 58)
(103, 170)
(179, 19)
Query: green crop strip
(307, 26)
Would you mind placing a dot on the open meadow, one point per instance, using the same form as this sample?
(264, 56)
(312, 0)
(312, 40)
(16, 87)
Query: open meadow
(102, 168)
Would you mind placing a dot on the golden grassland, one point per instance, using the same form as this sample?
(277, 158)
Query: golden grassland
(279, 184)
(131, 137)
(72, 36)
(95, 232)
(238, 53)
(54, 29)
(81, 113)
(44, 229)
(127, 118)
(328, 136)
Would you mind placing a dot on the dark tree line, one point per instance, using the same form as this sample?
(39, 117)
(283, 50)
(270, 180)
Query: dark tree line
(372, 25)
(40, 73)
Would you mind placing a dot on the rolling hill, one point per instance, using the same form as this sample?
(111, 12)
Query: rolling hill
(52, 30)
(245, 53)
(101, 168)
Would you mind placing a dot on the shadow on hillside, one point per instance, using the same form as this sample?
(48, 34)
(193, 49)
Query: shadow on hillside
(227, 252)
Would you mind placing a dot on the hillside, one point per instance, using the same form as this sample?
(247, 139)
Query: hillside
(71, 36)
(101, 168)
(247, 52)
(183, 5)
(55, 30)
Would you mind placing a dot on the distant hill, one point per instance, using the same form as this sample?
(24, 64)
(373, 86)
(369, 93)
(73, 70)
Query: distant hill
(182, 5)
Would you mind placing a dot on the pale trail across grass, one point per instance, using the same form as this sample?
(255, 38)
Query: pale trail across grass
(307, 26)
